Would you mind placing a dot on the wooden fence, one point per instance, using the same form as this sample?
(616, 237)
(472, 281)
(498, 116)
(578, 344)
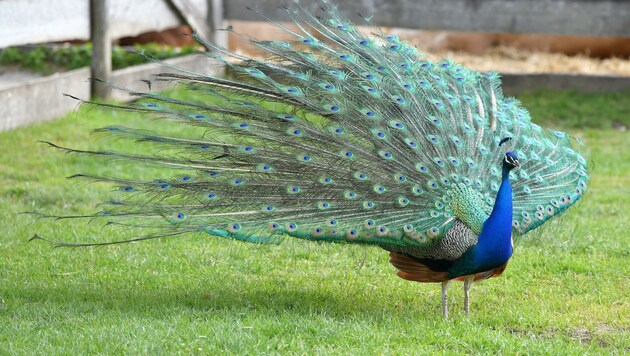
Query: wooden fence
(24, 22)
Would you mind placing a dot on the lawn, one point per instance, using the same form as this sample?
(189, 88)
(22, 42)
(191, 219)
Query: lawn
(566, 290)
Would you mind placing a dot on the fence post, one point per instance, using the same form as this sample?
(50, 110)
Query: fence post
(101, 48)
(215, 22)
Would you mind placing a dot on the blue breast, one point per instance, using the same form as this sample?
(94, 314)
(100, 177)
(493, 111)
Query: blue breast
(494, 247)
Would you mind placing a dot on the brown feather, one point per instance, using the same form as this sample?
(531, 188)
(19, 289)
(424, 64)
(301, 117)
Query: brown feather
(495, 272)
(413, 270)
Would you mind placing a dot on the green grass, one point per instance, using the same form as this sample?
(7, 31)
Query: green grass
(565, 291)
(570, 109)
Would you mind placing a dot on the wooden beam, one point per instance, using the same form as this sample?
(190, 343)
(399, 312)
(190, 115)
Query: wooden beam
(186, 10)
(101, 48)
(567, 17)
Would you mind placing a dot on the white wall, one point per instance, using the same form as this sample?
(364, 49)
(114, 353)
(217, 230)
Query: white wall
(39, 21)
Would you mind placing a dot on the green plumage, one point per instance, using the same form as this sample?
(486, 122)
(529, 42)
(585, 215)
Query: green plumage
(338, 136)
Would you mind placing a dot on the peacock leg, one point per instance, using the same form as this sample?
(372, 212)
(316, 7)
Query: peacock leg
(467, 284)
(445, 298)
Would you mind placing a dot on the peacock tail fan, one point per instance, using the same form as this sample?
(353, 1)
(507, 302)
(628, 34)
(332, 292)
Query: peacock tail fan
(337, 136)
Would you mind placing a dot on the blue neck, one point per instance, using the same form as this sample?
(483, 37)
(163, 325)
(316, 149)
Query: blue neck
(495, 241)
(502, 209)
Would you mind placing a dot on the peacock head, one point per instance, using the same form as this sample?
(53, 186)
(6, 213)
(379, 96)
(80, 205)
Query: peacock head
(511, 161)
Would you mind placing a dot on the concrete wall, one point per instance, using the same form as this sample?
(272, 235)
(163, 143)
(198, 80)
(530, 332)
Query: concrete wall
(514, 83)
(42, 99)
(569, 17)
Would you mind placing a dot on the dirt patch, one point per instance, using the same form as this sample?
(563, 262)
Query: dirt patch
(599, 334)
(582, 335)
(547, 334)
(515, 60)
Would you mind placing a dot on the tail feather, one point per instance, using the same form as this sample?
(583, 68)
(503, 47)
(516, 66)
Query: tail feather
(336, 136)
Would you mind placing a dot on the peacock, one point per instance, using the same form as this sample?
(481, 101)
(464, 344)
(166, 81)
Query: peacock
(343, 136)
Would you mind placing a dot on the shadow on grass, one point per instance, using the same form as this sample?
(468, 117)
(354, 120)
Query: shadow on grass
(248, 297)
